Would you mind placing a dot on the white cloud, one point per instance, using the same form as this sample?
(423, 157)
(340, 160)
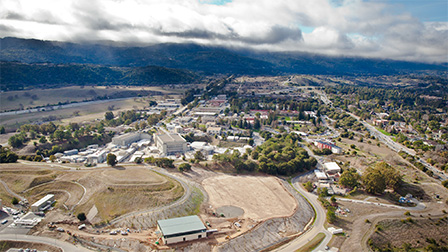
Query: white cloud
(347, 27)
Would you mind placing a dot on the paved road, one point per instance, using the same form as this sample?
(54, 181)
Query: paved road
(56, 107)
(420, 206)
(11, 192)
(65, 246)
(317, 227)
(175, 203)
(398, 147)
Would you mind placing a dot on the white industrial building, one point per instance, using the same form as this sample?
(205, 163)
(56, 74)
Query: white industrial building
(170, 144)
(43, 204)
(332, 168)
(127, 139)
(181, 229)
(97, 157)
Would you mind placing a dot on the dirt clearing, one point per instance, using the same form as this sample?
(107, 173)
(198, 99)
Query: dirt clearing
(260, 197)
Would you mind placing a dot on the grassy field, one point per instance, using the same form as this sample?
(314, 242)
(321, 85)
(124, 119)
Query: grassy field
(310, 246)
(416, 232)
(16, 100)
(112, 191)
(19, 100)
(85, 113)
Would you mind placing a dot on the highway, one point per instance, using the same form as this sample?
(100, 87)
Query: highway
(398, 147)
(56, 107)
(65, 246)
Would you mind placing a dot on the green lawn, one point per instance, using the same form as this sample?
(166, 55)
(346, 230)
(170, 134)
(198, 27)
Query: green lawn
(384, 132)
(310, 246)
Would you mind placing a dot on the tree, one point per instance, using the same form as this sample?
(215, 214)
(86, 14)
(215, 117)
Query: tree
(333, 199)
(138, 160)
(81, 217)
(111, 159)
(391, 175)
(109, 116)
(349, 178)
(199, 156)
(43, 139)
(331, 216)
(2, 130)
(15, 201)
(184, 167)
(308, 186)
(445, 183)
(374, 181)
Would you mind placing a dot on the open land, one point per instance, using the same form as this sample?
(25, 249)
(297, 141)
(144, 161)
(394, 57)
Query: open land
(259, 197)
(128, 189)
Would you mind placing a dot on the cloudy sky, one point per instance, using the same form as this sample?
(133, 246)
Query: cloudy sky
(414, 30)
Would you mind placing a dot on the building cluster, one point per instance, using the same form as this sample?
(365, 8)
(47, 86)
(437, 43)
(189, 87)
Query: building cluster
(329, 176)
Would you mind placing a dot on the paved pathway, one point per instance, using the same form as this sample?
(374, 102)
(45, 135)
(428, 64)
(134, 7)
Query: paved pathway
(65, 246)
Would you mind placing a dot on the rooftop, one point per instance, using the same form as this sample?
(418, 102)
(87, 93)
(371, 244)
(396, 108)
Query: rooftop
(43, 200)
(181, 225)
(171, 138)
(332, 166)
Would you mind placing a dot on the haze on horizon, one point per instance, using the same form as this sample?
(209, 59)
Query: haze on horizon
(393, 29)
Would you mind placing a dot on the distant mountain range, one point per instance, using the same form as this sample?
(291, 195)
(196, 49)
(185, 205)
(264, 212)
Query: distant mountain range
(33, 62)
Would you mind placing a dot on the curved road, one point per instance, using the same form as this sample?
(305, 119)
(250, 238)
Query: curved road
(177, 202)
(65, 246)
(317, 226)
(11, 192)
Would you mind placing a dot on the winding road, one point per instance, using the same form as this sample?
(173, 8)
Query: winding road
(175, 203)
(65, 246)
(317, 226)
(11, 192)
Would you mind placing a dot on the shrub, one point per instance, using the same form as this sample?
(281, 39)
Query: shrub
(81, 216)
(184, 167)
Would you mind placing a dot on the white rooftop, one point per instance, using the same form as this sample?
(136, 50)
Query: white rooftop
(332, 166)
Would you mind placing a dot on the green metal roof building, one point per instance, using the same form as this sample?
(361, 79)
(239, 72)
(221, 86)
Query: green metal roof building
(181, 229)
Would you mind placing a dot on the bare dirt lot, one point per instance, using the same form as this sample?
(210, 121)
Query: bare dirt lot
(260, 197)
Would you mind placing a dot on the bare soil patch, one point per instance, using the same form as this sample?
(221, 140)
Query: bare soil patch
(260, 197)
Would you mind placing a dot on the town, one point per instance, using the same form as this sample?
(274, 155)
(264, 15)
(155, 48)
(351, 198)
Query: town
(229, 162)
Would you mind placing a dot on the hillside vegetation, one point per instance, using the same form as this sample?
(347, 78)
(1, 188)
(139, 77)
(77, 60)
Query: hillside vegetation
(15, 76)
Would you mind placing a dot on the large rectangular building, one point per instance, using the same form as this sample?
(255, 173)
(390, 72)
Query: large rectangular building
(170, 144)
(43, 204)
(181, 229)
(127, 139)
